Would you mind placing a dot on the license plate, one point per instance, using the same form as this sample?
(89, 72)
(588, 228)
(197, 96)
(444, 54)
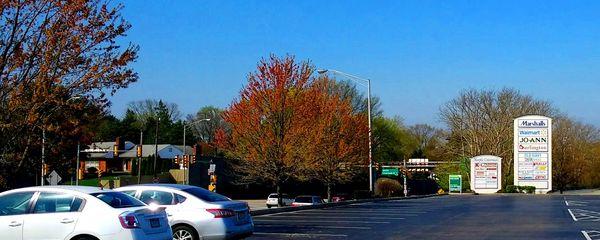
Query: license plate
(154, 223)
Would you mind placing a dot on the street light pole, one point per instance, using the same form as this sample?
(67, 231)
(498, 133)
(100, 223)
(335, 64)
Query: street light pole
(368, 85)
(186, 175)
(370, 132)
(44, 138)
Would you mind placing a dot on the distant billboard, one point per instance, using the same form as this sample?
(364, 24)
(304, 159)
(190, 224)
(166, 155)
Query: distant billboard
(486, 174)
(533, 152)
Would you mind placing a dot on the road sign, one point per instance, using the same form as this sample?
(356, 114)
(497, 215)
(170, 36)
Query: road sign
(533, 152)
(53, 178)
(486, 174)
(389, 172)
(455, 183)
(211, 169)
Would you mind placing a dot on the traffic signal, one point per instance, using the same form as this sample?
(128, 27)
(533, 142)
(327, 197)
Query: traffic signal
(193, 159)
(116, 150)
(45, 167)
(116, 147)
(212, 186)
(186, 161)
(176, 159)
(139, 151)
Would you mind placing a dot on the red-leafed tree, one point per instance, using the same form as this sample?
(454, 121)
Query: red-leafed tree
(268, 123)
(338, 139)
(58, 61)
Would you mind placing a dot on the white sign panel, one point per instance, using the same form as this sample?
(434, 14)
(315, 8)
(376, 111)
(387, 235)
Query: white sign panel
(53, 178)
(533, 152)
(486, 174)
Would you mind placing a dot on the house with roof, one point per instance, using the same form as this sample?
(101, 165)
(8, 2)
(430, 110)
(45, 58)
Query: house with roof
(101, 155)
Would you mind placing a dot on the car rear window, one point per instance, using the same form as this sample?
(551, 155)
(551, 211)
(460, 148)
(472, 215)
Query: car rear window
(118, 199)
(304, 199)
(273, 196)
(206, 195)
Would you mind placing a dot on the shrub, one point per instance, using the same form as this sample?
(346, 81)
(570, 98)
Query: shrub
(386, 187)
(511, 189)
(519, 189)
(527, 189)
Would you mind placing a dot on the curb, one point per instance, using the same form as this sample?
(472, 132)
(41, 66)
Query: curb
(336, 204)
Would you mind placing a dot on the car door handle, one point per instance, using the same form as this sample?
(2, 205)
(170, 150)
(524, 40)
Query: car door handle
(67, 220)
(14, 224)
(169, 215)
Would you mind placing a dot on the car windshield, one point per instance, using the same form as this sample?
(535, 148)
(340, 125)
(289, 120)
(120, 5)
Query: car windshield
(273, 196)
(304, 199)
(206, 195)
(118, 199)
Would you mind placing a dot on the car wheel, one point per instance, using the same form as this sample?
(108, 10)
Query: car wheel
(85, 238)
(184, 233)
(268, 206)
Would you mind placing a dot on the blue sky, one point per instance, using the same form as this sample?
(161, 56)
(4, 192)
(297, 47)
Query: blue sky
(419, 54)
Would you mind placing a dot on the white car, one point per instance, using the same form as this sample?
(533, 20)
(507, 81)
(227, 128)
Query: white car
(273, 198)
(196, 213)
(307, 201)
(78, 213)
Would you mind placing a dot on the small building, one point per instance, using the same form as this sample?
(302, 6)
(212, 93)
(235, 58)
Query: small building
(100, 155)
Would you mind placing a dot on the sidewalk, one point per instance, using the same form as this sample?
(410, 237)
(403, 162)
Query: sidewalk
(255, 204)
(579, 192)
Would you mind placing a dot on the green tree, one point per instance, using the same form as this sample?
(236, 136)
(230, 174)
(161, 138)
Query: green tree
(391, 140)
(480, 122)
(460, 166)
(205, 130)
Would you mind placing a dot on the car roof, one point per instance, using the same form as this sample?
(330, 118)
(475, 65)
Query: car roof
(161, 185)
(80, 189)
(307, 196)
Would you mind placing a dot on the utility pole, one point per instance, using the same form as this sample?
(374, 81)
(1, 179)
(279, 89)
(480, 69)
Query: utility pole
(43, 155)
(77, 164)
(405, 172)
(139, 151)
(156, 146)
(185, 178)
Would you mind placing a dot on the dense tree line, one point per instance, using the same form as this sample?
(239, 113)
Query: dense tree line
(480, 122)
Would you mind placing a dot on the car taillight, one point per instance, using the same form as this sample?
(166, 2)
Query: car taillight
(221, 213)
(128, 220)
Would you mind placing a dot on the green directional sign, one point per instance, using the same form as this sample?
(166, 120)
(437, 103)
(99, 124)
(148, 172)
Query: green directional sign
(389, 172)
(455, 183)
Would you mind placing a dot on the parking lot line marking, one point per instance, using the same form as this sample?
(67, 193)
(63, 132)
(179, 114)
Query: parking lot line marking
(368, 211)
(291, 235)
(584, 215)
(337, 214)
(586, 235)
(566, 203)
(324, 227)
(573, 216)
(339, 217)
(319, 221)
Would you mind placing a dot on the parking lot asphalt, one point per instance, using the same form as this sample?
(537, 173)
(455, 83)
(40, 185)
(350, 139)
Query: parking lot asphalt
(443, 217)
